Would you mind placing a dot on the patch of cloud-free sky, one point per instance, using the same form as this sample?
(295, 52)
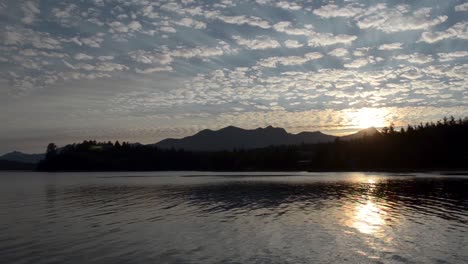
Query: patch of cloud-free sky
(142, 70)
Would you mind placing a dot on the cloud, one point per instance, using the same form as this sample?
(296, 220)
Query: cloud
(391, 46)
(93, 41)
(359, 52)
(82, 56)
(203, 52)
(189, 22)
(154, 69)
(148, 11)
(134, 26)
(292, 44)
(315, 39)
(30, 10)
(225, 4)
(416, 58)
(162, 58)
(286, 27)
(332, 10)
(25, 37)
(150, 57)
(173, 7)
(327, 39)
(272, 62)
(452, 55)
(288, 5)
(197, 52)
(105, 58)
(98, 2)
(461, 7)
(457, 31)
(412, 74)
(357, 63)
(242, 20)
(259, 43)
(168, 29)
(109, 67)
(69, 65)
(67, 15)
(277, 63)
(398, 18)
(36, 53)
(119, 27)
(338, 52)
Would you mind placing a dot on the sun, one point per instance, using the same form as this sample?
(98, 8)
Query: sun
(366, 117)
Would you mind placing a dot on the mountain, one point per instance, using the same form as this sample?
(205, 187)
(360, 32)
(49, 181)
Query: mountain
(231, 137)
(360, 134)
(227, 138)
(14, 165)
(23, 157)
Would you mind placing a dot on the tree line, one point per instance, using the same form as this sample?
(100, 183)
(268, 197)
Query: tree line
(442, 145)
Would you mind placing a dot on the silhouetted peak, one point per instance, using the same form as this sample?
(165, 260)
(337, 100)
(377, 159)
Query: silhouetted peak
(232, 137)
(369, 131)
(361, 133)
(230, 128)
(204, 131)
(14, 153)
(271, 128)
(22, 157)
(310, 133)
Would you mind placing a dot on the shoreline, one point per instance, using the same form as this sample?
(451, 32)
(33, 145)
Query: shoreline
(444, 171)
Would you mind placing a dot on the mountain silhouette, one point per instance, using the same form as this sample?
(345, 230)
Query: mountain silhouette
(232, 137)
(23, 157)
(360, 134)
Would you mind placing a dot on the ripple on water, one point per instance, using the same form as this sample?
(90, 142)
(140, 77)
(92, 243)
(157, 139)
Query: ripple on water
(321, 218)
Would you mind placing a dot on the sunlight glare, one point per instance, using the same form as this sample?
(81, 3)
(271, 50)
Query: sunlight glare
(368, 218)
(367, 117)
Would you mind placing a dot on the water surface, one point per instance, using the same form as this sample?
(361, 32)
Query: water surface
(197, 217)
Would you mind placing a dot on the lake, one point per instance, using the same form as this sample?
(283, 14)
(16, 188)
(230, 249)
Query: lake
(199, 217)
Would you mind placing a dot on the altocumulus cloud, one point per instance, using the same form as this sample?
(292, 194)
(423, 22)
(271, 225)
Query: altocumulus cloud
(95, 67)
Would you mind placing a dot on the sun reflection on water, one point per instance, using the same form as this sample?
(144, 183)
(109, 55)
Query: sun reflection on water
(368, 216)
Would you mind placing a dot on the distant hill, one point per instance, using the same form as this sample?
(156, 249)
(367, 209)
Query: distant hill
(23, 157)
(227, 138)
(14, 165)
(360, 134)
(231, 137)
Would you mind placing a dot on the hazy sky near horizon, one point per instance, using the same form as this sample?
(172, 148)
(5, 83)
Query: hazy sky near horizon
(141, 70)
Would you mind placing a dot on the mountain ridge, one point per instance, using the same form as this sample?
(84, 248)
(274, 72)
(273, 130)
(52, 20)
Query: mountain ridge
(18, 156)
(239, 138)
(231, 137)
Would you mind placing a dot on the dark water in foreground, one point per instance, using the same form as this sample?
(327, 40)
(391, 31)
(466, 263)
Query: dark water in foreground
(169, 217)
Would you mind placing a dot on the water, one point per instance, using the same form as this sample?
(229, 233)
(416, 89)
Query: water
(173, 217)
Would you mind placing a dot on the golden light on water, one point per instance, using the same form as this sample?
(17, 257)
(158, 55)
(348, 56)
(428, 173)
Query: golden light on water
(368, 218)
(371, 182)
(367, 117)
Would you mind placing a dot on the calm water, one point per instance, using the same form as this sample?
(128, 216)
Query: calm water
(168, 217)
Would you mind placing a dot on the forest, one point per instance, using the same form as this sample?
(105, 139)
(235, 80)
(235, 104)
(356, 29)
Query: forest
(442, 145)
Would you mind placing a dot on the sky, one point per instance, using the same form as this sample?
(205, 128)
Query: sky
(142, 71)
